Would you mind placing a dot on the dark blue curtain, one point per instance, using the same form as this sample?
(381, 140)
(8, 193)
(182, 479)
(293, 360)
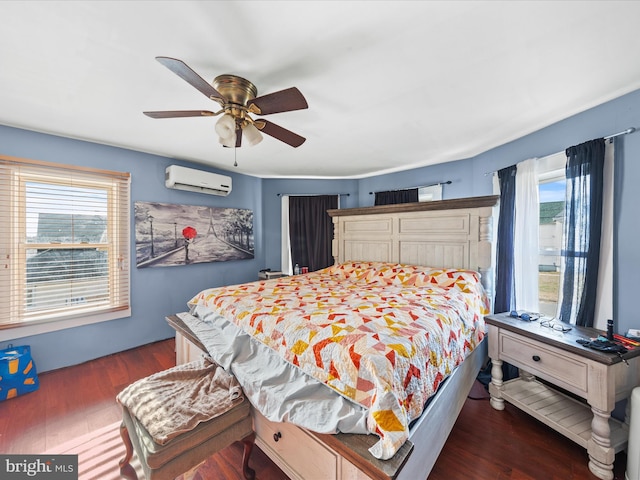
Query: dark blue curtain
(409, 195)
(505, 282)
(311, 230)
(505, 287)
(582, 232)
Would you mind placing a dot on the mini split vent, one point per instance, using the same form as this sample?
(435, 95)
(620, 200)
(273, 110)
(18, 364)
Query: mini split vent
(192, 180)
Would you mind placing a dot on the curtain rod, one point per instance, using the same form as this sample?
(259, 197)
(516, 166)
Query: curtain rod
(624, 132)
(312, 194)
(448, 182)
(608, 137)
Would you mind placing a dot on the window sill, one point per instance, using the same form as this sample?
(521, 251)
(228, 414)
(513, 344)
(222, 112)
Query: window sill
(20, 331)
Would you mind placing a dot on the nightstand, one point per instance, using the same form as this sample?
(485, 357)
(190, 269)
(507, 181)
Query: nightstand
(269, 275)
(592, 381)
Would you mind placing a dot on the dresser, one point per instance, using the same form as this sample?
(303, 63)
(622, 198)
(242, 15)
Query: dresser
(569, 387)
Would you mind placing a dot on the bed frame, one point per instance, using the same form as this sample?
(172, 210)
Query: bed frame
(449, 233)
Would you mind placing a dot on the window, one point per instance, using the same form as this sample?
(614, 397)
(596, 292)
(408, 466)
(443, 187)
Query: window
(552, 191)
(64, 242)
(430, 194)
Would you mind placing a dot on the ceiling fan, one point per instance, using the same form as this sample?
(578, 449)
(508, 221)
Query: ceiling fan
(238, 98)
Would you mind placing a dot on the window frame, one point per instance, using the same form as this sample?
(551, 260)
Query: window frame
(15, 174)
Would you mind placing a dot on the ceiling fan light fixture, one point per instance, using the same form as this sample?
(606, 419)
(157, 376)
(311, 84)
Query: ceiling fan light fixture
(228, 142)
(238, 97)
(226, 130)
(252, 135)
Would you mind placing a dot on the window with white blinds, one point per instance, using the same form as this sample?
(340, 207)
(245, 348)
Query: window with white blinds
(64, 244)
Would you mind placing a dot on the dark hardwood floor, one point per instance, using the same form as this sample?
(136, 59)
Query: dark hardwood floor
(484, 444)
(509, 444)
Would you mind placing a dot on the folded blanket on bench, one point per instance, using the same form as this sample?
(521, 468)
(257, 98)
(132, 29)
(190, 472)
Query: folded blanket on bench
(176, 400)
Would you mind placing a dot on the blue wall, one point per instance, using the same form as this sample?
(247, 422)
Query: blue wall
(155, 291)
(159, 291)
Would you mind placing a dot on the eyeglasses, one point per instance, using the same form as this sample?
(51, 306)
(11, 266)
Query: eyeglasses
(557, 326)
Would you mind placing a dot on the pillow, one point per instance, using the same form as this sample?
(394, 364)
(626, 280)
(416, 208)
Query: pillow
(384, 273)
(352, 270)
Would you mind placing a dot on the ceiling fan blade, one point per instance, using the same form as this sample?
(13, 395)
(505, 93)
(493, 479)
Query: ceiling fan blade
(186, 73)
(179, 113)
(238, 138)
(282, 101)
(280, 133)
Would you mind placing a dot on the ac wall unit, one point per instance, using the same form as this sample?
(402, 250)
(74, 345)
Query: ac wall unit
(192, 180)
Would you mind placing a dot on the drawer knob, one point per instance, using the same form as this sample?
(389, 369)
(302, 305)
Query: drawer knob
(277, 436)
(536, 358)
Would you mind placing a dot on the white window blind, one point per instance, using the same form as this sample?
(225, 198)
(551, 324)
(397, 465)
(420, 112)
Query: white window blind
(64, 243)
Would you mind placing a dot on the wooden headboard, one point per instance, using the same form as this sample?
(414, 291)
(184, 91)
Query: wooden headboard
(443, 234)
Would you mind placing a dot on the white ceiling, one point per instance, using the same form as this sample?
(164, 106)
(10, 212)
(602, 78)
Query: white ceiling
(391, 85)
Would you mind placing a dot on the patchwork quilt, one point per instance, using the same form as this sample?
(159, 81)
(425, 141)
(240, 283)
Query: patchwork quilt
(382, 335)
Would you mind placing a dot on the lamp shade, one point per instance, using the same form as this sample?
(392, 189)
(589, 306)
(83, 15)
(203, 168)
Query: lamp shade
(252, 135)
(226, 130)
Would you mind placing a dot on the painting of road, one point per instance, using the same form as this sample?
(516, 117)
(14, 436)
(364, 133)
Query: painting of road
(169, 235)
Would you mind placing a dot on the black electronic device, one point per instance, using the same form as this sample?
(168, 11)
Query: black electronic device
(602, 345)
(526, 316)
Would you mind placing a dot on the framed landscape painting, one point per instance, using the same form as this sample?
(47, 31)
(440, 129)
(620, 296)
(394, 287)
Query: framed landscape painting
(168, 234)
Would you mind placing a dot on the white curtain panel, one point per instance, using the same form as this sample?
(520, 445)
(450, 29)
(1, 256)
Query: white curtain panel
(604, 301)
(285, 246)
(526, 249)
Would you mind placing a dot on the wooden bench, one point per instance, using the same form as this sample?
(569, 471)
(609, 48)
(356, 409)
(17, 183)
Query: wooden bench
(182, 453)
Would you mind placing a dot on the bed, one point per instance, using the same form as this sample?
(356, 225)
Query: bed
(394, 329)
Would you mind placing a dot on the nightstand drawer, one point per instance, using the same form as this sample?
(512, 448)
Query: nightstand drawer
(562, 368)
